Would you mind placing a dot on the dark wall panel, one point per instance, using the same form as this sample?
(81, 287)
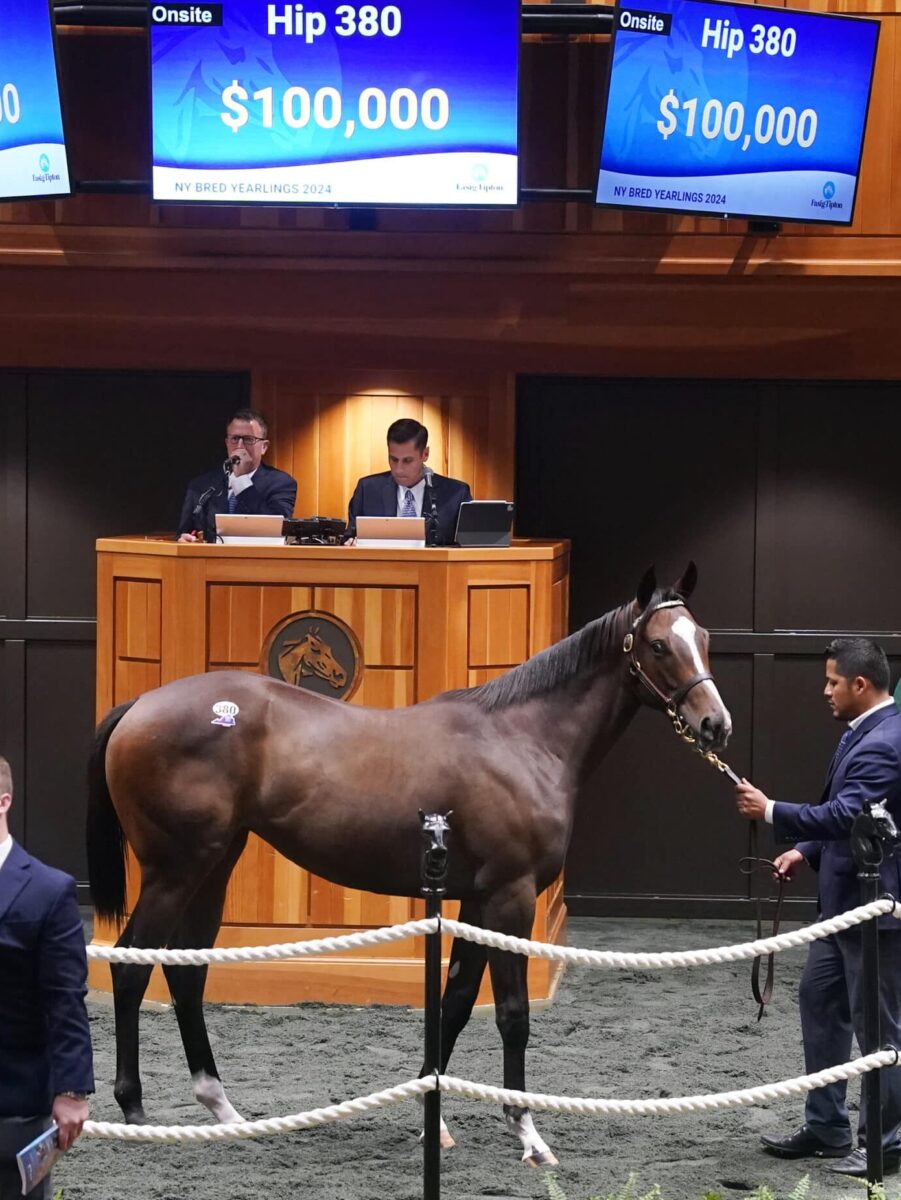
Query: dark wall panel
(82, 455)
(13, 468)
(59, 712)
(832, 452)
(12, 724)
(111, 454)
(638, 472)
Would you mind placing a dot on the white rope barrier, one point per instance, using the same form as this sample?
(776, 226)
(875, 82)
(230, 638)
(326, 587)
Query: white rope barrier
(450, 1084)
(672, 1105)
(486, 937)
(683, 958)
(265, 1128)
(280, 951)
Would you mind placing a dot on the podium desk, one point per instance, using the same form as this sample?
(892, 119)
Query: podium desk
(425, 620)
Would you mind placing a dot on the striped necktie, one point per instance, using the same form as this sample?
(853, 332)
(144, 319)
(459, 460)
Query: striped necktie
(408, 508)
(232, 501)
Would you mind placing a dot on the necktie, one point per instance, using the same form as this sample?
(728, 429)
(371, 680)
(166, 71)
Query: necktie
(408, 508)
(840, 749)
(232, 501)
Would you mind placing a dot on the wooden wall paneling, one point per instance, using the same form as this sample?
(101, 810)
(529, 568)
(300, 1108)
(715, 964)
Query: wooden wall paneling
(241, 616)
(329, 438)
(498, 626)
(384, 619)
(875, 203)
(138, 636)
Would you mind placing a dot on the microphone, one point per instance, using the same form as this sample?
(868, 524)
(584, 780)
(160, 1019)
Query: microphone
(432, 518)
(230, 463)
(198, 507)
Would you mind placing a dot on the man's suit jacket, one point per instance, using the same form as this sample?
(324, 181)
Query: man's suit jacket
(376, 496)
(869, 769)
(45, 1039)
(272, 493)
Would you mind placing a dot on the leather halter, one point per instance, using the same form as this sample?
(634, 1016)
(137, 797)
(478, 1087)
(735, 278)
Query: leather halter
(670, 703)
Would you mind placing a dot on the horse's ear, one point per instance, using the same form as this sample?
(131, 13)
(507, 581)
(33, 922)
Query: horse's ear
(646, 588)
(688, 582)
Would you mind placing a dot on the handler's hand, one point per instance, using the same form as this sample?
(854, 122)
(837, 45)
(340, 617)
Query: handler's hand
(70, 1114)
(750, 801)
(785, 864)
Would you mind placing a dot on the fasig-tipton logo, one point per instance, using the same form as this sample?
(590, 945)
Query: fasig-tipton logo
(186, 14)
(828, 201)
(46, 175)
(638, 21)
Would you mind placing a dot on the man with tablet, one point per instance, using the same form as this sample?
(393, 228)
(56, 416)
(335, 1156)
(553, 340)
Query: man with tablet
(410, 488)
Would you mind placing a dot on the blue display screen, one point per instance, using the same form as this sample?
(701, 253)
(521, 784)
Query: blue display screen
(32, 146)
(736, 110)
(407, 103)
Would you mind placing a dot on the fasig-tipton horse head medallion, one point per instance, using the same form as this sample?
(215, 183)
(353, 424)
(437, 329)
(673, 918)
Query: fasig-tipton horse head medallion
(316, 651)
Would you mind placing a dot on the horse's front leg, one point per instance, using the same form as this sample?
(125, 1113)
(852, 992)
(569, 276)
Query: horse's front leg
(513, 911)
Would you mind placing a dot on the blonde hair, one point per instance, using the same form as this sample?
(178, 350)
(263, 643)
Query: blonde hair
(6, 777)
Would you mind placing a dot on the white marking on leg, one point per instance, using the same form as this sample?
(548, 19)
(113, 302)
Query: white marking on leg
(445, 1137)
(535, 1150)
(211, 1094)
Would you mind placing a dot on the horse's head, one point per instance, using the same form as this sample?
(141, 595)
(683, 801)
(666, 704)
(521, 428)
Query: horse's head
(315, 658)
(667, 654)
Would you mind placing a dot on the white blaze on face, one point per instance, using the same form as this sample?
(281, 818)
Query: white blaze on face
(686, 631)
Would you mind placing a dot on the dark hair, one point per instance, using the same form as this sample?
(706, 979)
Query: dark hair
(408, 430)
(250, 414)
(859, 656)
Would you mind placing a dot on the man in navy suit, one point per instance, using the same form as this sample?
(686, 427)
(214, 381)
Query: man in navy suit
(244, 484)
(866, 766)
(45, 1042)
(409, 488)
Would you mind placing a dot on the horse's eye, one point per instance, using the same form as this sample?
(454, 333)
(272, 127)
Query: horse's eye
(658, 647)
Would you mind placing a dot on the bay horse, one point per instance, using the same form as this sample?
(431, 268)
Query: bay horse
(328, 785)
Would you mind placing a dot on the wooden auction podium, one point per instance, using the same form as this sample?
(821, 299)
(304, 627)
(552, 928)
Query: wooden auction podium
(425, 620)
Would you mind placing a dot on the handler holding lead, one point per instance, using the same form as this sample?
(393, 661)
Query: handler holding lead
(866, 765)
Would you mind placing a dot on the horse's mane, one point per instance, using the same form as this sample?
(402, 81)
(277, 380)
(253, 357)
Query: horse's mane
(558, 664)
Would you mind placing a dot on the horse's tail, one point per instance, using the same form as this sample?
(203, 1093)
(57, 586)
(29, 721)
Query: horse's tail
(106, 841)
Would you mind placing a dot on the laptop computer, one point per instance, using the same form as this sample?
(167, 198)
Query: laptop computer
(484, 523)
(249, 529)
(391, 533)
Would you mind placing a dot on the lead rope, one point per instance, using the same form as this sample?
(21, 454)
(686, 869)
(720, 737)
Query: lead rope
(747, 866)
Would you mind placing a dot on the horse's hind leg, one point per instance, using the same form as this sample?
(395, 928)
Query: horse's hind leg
(197, 930)
(512, 911)
(155, 916)
(464, 975)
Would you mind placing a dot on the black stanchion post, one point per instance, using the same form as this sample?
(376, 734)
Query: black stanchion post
(872, 829)
(435, 830)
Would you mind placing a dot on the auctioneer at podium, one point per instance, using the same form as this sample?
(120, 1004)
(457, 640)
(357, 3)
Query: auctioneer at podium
(243, 484)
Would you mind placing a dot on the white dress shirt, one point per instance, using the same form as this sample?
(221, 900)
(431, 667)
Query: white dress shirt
(240, 483)
(5, 846)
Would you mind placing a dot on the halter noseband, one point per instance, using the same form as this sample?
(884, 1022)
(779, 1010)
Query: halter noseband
(670, 703)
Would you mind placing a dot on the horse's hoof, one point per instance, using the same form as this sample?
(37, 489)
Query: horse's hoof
(542, 1159)
(447, 1140)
